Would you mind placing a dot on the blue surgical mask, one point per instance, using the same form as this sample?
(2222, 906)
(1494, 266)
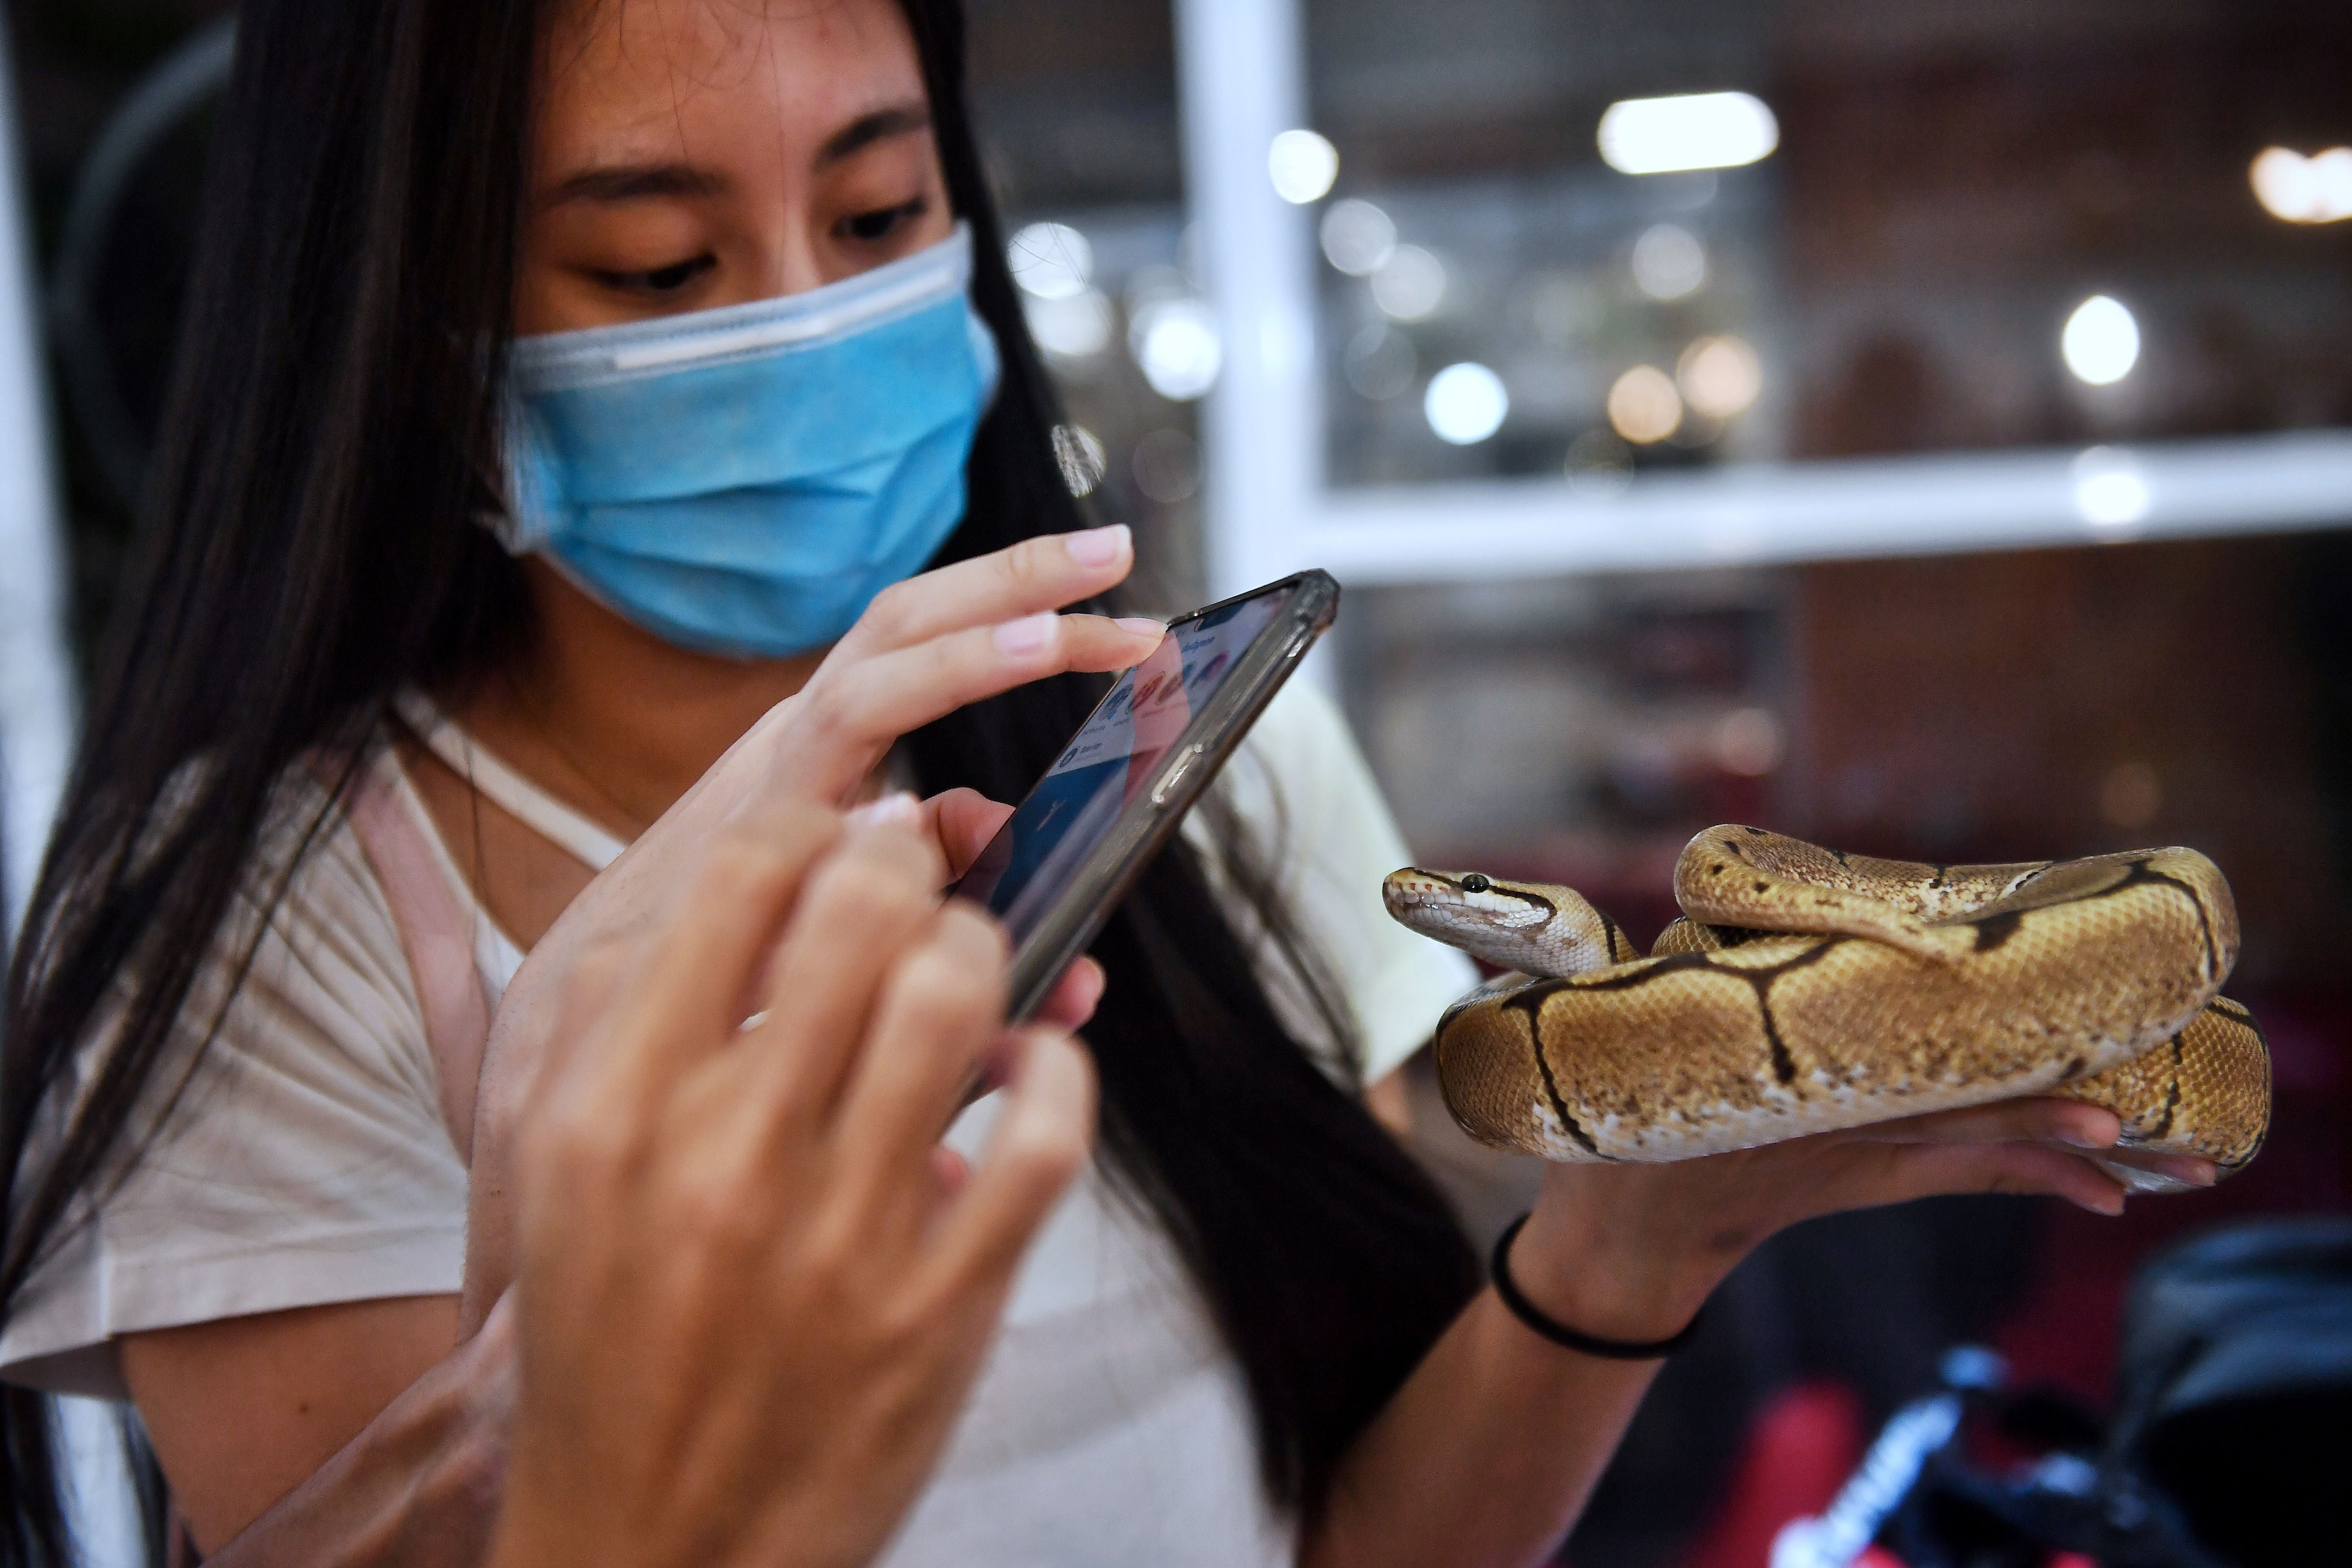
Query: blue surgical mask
(744, 481)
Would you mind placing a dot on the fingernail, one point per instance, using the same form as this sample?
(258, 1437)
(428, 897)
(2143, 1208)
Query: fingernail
(1096, 546)
(897, 809)
(2189, 1169)
(1028, 634)
(2081, 1139)
(1142, 625)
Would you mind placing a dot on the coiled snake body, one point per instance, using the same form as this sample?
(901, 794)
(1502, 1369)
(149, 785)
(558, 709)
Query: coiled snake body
(1806, 990)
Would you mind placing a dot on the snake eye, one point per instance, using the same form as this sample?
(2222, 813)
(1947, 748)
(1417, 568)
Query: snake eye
(1476, 883)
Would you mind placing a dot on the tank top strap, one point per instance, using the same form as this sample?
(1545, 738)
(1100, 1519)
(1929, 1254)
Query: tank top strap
(505, 789)
(437, 935)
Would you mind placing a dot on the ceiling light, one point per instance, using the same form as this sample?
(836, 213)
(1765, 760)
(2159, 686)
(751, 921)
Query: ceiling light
(1466, 404)
(2101, 342)
(1669, 263)
(1176, 345)
(1358, 237)
(1410, 286)
(1302, 166)
(1644, 405)
(1693, 131)
(2317, 189)
(1051, 260)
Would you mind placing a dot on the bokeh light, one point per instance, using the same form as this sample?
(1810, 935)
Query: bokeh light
(1600, 466)
(1077, 326)
(1358, 237)
(2101, 342)
(1691, 130)
(2317, 189)
(1379, 363)
(1669, 263)
(1176, 346)
(2111, 491)
(1302, 166)
(1465, 402)
(1050, 260)
(1167, 465)
(1720, 376)
(1643, 406)
(2131, 795)
(1747, 742)
(1410, 286)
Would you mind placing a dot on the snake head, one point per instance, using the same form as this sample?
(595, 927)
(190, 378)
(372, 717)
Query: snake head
(1534, 927)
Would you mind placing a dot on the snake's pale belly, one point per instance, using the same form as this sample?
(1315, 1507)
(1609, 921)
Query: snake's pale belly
(1811, 992)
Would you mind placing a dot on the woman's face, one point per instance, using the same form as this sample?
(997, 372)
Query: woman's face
(692, 153)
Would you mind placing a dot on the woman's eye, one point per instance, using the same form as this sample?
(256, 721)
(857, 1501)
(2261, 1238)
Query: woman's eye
(660, 281)
(869, 226)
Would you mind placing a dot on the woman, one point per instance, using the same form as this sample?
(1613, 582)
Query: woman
(238, 996)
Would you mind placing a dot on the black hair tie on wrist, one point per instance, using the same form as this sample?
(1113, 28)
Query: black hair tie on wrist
(1559, 1333)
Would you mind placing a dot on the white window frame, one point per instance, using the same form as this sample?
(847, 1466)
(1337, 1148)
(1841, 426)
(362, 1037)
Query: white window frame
(36, 686)
(1242, 78)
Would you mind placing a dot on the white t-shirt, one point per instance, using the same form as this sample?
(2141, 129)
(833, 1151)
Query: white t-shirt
(310, 1164)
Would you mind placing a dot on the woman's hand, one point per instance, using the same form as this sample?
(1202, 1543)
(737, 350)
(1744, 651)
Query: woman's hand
(944, 640)
(1631, 1251)
(752, 1296)
(1488, 1452)
(924, 648)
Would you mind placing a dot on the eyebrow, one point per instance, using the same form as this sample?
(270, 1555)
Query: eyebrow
(611, 183)
(615, 183)
(898, 119)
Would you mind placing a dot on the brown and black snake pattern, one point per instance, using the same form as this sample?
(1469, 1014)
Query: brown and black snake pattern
(1808, 990)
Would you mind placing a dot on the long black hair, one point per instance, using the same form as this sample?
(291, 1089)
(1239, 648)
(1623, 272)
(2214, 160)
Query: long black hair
(309, 549)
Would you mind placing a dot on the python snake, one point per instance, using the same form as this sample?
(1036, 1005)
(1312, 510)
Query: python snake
(1806, 990)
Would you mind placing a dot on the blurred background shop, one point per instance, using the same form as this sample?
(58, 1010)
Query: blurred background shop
(1925, 428)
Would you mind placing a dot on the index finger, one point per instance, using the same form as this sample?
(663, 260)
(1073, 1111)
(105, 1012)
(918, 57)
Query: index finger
(1041, 574)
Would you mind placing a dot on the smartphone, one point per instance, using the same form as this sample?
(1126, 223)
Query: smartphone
(1075, 845)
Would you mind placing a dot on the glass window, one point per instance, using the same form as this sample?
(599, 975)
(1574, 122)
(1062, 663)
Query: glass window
(1931, 228)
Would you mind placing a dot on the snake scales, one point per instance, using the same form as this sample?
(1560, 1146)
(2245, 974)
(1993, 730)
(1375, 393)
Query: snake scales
(1806, 990)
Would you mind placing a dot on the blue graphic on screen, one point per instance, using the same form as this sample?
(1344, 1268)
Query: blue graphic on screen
(1112, 759)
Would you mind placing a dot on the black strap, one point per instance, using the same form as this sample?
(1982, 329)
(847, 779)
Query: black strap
(1559, 1333)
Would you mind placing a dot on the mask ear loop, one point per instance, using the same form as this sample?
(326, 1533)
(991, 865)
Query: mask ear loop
(985, 353)
(517, 519)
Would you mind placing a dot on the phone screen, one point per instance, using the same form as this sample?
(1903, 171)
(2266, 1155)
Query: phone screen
(1115, 757)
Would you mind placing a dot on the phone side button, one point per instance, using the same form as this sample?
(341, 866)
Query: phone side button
(1298, 644)
(1175, 773)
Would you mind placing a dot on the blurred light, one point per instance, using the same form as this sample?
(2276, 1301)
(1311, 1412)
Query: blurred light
(1694, 130)
(1720, 376)
(1358, 237)
(1465, 402)
(1051, 260)
(2130, 796)
(1167, 466)
(1379, 363)
(2317, 189)
(2111, 492)
(1176, 345)
(1644, 405)
(1080, 453)
(1147, 286)
(1563, 307)
(1303, 165)
(2101, 342)
(1668, 262)
(1076, 327)
(1600, 466)
(1747, 742)
(1410, 285)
